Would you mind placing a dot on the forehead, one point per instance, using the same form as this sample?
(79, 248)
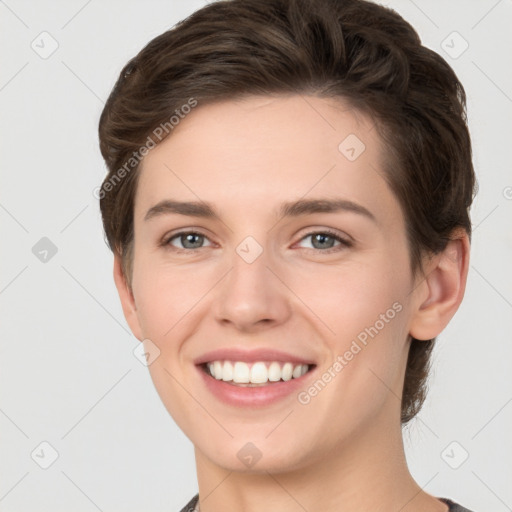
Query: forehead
(260, 148)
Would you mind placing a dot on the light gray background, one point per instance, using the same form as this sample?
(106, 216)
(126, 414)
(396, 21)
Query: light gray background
(68, 374)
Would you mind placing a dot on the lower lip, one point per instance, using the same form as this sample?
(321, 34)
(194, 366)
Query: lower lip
(245, 396)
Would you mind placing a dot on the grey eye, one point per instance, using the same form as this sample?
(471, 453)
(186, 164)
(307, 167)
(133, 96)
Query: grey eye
(188, 240)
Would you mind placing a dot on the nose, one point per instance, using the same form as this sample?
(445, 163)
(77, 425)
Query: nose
(252, 296)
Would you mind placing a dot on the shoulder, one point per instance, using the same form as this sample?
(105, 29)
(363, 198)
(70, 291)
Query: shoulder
(454, 507)
(191, 505)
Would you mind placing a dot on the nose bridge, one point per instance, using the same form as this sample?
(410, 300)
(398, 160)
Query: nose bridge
(249, 265)
(250, 293)
(249, 277)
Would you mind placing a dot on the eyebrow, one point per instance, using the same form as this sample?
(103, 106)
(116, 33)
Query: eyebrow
(288, 209)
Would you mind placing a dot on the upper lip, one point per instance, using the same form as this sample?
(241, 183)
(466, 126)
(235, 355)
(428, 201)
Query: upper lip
(251, 356)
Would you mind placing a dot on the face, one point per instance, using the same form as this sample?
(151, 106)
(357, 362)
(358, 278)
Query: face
(294, 251)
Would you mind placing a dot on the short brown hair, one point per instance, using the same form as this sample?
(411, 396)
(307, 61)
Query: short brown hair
(356, 50)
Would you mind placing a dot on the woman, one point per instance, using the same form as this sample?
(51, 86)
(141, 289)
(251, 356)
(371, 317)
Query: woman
(287, 202)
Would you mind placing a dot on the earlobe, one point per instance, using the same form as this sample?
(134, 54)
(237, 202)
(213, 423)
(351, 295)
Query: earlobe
(441, 292)
(127, 298)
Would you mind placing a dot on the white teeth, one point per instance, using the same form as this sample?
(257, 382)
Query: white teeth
(297, 371)
(227, 371)
(287, 371)
(274, 372)
(239, 372)
(259, 373)
(217, 370)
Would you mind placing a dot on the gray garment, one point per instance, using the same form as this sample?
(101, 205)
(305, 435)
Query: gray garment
(191, 505)
(454, 507)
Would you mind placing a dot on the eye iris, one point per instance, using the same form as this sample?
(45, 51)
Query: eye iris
(189, 238)
(322, 238)
(195, 240)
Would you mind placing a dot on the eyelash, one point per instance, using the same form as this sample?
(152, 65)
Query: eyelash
(343, 242)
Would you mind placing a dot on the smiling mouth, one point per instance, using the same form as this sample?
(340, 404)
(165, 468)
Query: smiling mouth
(257, 374)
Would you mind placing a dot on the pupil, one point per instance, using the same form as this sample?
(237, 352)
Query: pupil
(322, 238)
(190, 237)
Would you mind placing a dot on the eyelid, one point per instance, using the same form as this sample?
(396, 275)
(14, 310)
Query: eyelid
(166, 239)
(344, 239)
(342, 235)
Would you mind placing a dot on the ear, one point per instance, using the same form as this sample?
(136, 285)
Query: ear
(441, 290)
(127, 298)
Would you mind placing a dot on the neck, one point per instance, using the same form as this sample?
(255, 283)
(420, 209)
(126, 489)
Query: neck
(368, 472)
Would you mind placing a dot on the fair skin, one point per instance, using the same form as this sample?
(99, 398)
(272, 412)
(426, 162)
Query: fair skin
(342, 451)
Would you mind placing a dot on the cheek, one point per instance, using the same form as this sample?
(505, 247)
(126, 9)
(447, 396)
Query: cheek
(364, 309)
(168, 300)
(347, 299)
(165, 296)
